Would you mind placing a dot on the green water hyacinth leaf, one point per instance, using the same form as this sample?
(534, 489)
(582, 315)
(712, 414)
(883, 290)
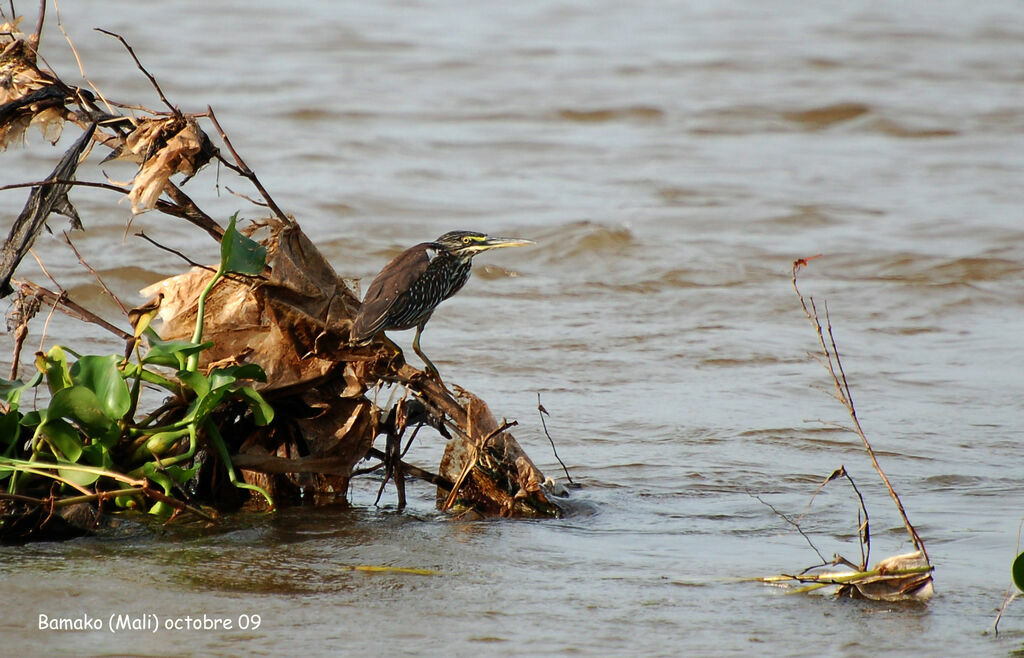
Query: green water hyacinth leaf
(31, 419)
(262, 412)
(101, 375)
(80, 404)
(63, 437)
(171, 353)
(226, 376)
(97, 455)
(11, 391)
(1018, 572)
(54, 364)
(196, 381)
(239, 253)
(181, 475)
(9, 423)
(82, 478)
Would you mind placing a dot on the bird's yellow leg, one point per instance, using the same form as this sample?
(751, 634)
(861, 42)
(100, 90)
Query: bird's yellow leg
(396, 351)
(430, 368)
(390, 343)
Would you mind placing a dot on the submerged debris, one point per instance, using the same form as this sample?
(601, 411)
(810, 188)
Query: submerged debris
(897, 578)
(906, 577)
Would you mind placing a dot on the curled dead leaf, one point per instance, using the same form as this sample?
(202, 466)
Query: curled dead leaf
(164, 146)
(898, 578)
(27, 95)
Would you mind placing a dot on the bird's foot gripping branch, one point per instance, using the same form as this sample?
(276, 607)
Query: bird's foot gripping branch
(262, 397)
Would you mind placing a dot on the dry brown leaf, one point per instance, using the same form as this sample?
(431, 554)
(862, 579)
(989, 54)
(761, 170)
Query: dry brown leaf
(51, 123)
(27, 95)
(294, 325)
(165, 147)
(12, 130)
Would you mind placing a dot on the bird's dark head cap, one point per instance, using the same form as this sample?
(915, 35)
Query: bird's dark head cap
(470, 243)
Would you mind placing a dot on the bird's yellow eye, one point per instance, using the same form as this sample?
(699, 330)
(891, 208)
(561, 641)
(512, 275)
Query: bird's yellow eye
(467, 240)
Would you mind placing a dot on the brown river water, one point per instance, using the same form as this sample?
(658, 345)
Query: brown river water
(671, 159)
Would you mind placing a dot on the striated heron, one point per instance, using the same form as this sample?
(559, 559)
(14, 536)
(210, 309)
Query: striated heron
(409, 288)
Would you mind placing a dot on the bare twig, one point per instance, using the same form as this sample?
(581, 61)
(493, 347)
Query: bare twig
(46, 324)
(142, 68)
(544, 412)
(244, 170)
(792, 522)
(26, 307)
(96, 274)
(33, 40)
(863, 520)
(178, 505)
(79, 183)
(186, 208)
(415, 471)
(71, 308)
(835, 368)
(49, 276)
(261, 204)
(177, 253)
(20, 334)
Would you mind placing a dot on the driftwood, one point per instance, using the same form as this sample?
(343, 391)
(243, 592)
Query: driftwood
(291, 319)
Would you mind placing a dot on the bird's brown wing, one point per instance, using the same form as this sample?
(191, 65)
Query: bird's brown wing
(386, 291)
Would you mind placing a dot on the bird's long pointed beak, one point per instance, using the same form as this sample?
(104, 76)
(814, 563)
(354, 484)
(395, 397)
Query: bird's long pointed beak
(497, 243)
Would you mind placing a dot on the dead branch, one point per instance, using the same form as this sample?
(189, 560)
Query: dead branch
(142, 234)
(793, 522)
(838, 374)
(152, 80)
(42, 201)
(70, 308)
(33, 39)
(541, 411)
(96, 274)
(244, 170)
(25, 308)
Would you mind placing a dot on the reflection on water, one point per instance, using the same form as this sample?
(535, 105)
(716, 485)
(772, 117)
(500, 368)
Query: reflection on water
(671, 160)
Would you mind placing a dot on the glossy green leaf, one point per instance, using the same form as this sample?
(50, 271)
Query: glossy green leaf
(172, 353)
(80, 404)
(31, 419)
(161, 509)
(181, 475)
(1018, 572)
(263, 413)
(92, 455)
(10, 428)
(97, 455)
(109, 438)
(226, 376)
(63, 437)
(101, 375)
(11, 391)
(81, 478)
(239, 253)
(196, 381)
(202, 406)
(159, 477)
(54, 364)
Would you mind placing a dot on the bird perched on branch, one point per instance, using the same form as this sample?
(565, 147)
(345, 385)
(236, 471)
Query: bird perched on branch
(409, 288)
